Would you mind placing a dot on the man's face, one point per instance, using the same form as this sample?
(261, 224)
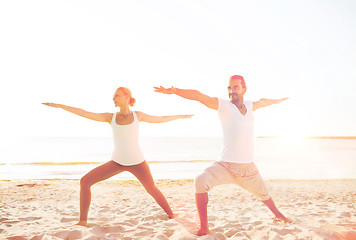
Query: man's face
(235, 89)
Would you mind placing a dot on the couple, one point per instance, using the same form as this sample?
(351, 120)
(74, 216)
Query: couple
(234, 166)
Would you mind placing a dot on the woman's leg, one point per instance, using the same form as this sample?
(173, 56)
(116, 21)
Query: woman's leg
(143, 174)
(278, 215)
(98, 174)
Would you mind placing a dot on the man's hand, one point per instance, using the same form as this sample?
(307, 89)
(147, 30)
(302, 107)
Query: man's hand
(161, 89)
(190, 94)
(55, 105)
(264, 102)
(283, 99)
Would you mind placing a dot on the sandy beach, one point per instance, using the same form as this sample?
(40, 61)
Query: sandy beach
(49, 209)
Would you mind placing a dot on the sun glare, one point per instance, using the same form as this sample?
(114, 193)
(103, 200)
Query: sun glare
(292, 137)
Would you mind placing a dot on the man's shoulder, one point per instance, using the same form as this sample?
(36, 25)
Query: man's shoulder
(222, 100)
(248, 102)
(223, 103)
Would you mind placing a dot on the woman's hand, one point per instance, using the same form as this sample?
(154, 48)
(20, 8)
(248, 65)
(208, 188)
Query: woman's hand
(100, 117)
(159, 119)
(185, 116)
(55, 105)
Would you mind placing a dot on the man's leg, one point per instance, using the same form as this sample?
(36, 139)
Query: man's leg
(201, 200)
(252, 181)
(211, 177)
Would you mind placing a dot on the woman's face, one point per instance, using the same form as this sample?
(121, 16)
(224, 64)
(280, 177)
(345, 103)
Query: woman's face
(120, 99)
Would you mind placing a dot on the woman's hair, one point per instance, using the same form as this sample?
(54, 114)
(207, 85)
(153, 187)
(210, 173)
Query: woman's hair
(128, 93)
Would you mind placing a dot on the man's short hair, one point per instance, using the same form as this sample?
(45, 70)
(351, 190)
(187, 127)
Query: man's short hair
(239, 77)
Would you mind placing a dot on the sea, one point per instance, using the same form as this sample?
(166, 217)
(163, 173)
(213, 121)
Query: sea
(178, 157)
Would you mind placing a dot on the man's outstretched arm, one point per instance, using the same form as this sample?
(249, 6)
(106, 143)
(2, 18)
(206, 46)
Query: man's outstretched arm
(210, 102)
(264, 102)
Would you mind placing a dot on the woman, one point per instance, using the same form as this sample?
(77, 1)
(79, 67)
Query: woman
(127, 155)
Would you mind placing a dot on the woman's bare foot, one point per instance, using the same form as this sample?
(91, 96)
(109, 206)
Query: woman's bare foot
(171, 216)
(282, 219)
(203, 231)
(82, 223)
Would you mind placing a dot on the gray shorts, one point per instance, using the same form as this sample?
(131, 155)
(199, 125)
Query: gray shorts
(245, 175)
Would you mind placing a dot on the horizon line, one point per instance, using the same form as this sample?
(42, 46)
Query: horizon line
(276, 136)
(314, 137)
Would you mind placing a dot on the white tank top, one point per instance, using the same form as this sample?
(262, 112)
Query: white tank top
(126, 148)
(238, 133)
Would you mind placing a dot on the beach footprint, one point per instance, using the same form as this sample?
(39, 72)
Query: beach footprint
(256, 223)
(162, 237)
(170, 224)
(231, 232)
(144, 233)
(30, 219)
(285, 231)
(245, 219)
(129, 223)
(66, 234)
(168, 232)
(149, 219)
(235, 226)
(66, 220)
(105, 209)
(98, 230)
(16, 238)
(4, 219)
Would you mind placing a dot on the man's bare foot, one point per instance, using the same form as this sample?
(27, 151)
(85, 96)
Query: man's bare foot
(203, 231)
(82, 223)
(282, 219)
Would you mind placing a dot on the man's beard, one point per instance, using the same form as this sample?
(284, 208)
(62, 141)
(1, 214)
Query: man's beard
(231, 95)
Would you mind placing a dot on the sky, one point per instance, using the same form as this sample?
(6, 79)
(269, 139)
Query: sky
(78, 52)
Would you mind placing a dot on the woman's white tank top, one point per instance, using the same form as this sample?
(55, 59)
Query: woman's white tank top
(126, 148)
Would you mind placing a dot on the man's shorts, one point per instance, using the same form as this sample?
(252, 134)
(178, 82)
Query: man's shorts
(245, 175)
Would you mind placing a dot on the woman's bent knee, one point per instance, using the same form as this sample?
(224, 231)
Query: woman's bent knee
(85, 182)
(152, 190)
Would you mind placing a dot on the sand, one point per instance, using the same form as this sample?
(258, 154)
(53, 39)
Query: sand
(49, 209)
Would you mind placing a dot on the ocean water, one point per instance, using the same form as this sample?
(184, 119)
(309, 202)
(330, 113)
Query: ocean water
(178, 158)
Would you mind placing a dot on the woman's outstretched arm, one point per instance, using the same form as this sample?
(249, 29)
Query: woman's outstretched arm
(100, 117)
(159, 119)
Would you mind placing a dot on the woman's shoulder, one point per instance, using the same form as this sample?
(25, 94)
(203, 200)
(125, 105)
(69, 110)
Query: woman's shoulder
(110, 116)
(138, 114)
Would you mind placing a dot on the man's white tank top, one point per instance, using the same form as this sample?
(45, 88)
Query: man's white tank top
(238, 136)
(126, 148)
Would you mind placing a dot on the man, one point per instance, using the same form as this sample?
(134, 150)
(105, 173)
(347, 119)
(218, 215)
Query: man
(235, 164)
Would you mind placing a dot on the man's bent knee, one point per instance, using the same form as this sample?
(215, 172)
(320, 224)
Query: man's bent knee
(202, 183)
